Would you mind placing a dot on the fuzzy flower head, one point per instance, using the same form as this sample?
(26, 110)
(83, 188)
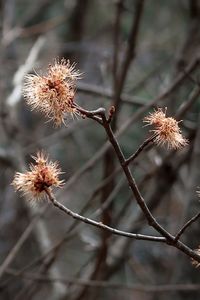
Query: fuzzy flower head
(195, 263)
(43, 174)
(53, 94)
(166, 130)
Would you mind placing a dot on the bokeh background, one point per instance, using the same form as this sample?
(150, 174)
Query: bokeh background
(136, 55)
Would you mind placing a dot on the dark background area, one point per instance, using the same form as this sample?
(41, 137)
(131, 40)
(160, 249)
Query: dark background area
(129, 52)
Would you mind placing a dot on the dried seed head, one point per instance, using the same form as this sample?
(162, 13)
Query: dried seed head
(43, 174)
(195, 263)
(53, 94)
(167, 130)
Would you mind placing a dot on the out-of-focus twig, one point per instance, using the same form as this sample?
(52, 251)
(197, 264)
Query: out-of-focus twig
(15, 95)
(109, 285)
(13, 252)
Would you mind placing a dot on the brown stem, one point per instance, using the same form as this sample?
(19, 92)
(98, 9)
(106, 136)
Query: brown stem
(151, 220)
(187, 224)
(140, 149)
(99, 224)
(169, 239)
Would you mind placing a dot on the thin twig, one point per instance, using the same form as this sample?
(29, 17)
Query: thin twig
(116, 39)
(99, 224)
(129, 56)
(140, 149)
(170, 239)
(110, 285)
(107, 94)
(13, 252)
(93, 114)
(187, 224)
(95, 158)
(167, 237)
(15, 95)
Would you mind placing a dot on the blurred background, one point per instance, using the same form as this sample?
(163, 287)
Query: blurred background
(136, 55)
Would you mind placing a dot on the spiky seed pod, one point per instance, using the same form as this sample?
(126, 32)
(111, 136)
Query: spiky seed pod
(53, 94)
(167, 130)
(43, 174)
